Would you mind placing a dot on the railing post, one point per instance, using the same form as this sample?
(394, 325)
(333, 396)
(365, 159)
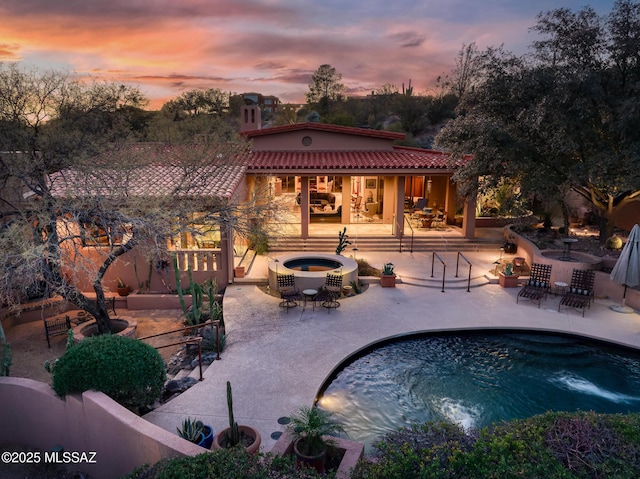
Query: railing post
(469, 263)
(444, 267)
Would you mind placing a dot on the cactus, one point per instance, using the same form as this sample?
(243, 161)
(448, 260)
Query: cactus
(508, 271)
(343, 241)
(5, 354)
(179, 286)
(233, 437)
(194, 313)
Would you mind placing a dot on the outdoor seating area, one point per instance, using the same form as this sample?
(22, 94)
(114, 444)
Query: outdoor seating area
(289, 294)
(580, 293)
(330, 292)
(538, 286)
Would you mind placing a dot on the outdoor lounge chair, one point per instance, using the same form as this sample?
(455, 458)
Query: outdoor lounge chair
(331, 291)
(289, 295)
(538, 286)
(580, 292)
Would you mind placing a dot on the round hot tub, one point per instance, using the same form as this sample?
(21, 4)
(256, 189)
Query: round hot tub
(310, 269)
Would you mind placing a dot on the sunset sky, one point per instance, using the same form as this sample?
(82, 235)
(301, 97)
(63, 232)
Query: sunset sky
(167, 47)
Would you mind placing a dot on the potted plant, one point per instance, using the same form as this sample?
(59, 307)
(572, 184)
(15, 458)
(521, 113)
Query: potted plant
(508, 279)
(237, 434)
(196, 432)
(309, 428)
(122, 288)
(510, 246)
(388, 277)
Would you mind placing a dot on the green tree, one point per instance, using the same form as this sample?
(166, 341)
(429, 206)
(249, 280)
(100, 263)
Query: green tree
(325, 88)
(564, 118)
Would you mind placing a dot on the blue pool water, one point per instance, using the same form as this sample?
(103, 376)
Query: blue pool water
(476, 379)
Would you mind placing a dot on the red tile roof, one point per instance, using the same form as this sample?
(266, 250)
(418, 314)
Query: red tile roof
(154, 180)
(150, 170)
(400, 158)
(325, 127)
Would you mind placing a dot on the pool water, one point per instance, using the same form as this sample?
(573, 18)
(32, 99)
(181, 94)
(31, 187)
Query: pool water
(477, 379)
(312, 264)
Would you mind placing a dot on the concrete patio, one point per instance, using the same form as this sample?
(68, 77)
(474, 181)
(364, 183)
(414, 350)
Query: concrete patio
(277, 360)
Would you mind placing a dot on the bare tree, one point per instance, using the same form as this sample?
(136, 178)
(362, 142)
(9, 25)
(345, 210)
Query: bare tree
(70, 155)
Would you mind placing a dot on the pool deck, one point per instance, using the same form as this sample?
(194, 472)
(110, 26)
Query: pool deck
(277, 360)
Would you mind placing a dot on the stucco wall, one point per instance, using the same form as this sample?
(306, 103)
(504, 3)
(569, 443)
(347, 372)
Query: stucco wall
(562, 270)
(32, 415)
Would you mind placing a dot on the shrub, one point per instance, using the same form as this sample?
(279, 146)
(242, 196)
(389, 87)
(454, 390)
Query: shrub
(614, 242)
(558, 445)
(129, 371)
(232, 463)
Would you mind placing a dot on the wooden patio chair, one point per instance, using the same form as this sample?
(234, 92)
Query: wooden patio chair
(330, 292)
(56, 326)
(538, 286)
(289, 295)
(580, 292)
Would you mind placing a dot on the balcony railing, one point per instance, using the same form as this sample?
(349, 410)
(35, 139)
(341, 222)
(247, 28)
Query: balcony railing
(199, 259)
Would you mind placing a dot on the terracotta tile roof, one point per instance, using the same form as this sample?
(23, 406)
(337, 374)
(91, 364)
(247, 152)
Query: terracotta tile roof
(325, 127)
(400, 158)
(176, 174)
(153, 180)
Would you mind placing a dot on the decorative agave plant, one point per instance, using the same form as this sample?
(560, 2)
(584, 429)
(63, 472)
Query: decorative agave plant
(191, 430)
(388, 268)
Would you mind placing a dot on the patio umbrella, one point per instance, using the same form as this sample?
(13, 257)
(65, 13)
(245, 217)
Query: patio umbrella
(627, 268)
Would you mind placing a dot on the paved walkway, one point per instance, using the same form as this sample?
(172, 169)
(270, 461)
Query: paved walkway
(277, 361)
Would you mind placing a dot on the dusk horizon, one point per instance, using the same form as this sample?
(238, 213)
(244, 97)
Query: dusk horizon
(271, 46)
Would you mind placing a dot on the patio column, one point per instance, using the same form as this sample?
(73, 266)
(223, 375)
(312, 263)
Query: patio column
(304, 207)
(346, 200)
(399, 214)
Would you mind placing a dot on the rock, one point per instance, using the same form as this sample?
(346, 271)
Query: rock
(179, 385)
(207, 358)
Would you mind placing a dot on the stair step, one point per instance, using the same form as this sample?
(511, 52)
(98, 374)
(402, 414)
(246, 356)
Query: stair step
(385, 243)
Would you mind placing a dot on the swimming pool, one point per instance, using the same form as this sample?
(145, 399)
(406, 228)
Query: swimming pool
(475, 379)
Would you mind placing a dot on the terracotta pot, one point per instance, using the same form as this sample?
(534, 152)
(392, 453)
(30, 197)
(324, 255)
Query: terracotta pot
(316, 462)
(388, 280)
(123, 291)
(219, 442)
(510, 281)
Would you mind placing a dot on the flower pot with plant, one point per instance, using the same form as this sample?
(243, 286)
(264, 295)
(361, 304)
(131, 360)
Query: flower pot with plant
(508, 279)
(309, 428)
(196, 432)
(235, 434)
(388, 276)
(122, 288)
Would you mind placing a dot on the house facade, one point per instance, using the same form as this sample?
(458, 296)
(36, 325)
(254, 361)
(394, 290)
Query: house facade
(328, 166)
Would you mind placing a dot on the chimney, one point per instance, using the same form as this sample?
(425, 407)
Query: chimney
(250, 118)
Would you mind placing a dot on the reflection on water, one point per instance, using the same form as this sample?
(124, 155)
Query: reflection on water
(475, 380)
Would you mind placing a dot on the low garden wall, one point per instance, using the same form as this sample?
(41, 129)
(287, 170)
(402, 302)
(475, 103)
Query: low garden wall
(562, 270)
(32, 415)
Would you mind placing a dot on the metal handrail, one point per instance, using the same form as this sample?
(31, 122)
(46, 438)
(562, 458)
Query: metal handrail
(458, 263)
(444, 267)
(412, 232)
(197, 340)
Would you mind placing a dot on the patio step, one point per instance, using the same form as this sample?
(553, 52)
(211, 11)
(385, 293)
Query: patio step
(459, 283)
(387, 243)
